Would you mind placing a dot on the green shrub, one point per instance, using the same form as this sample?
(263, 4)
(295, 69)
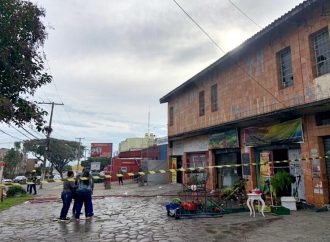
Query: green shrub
(280, 183)
(15, 190)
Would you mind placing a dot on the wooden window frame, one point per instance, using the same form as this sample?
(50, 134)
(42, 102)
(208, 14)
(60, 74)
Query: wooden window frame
(285, 69)
(214, 98)
(171, 116)
(319, 58)
(201, 102)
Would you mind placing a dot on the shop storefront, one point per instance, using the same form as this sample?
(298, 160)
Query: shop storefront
(227, 155)
(189, 153)
(196, 176)
(277, 148)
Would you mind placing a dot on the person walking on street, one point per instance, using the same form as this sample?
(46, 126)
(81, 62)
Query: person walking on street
(33, 181)
(120, 177)
(84, 196)
(68, 190)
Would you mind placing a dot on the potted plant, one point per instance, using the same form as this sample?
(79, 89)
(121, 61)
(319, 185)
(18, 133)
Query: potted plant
(281, 184)
(281, 187)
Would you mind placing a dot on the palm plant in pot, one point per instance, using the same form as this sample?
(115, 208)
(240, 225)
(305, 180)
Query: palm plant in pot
(281, 185)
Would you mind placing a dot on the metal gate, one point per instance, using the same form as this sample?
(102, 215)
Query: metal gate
(326, 141)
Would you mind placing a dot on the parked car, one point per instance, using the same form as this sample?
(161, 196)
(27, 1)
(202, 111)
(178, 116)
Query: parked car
(57, 177)
(20, 179)
(7, 181)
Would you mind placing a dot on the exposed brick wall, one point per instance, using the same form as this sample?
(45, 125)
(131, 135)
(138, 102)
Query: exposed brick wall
(313, 144)
(239, 96)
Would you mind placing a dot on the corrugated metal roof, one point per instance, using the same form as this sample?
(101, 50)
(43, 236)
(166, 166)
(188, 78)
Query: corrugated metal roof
(259, 35)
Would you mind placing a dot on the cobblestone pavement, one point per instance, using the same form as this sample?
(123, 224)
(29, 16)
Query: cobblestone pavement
(145, 219)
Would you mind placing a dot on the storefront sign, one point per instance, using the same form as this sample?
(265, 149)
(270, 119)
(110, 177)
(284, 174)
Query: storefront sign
(190, 145)
(224, 140)
(101, 150)
(265, 164)
(286, 132)
(174, 166)
(95, 166)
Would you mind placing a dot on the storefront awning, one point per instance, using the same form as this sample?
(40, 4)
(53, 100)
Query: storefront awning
(286, 132)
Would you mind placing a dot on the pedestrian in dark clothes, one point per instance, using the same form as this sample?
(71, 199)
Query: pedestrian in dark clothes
(68, 190)
(33, 181)
(74, 195)
(120, 178)
(84, 196)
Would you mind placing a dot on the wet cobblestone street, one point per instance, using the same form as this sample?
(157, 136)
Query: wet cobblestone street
(145, 219)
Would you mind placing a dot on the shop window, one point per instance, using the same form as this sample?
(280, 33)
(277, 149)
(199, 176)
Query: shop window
(214, 98)
(201, 103)
(227, 176)
(322, 118)
(285, 67)
(171, 116)
(197, 177)
(197, 161)
(321, 47)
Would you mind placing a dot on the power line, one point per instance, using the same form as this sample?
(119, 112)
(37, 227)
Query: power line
(19, 131)
(242, 12)
(29, 132)
(222, 50)
(53, 82)
(34, 131)
(10, 135)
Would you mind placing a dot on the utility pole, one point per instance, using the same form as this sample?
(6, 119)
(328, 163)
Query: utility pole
(49, 130)
(78, 155)
(149, 120)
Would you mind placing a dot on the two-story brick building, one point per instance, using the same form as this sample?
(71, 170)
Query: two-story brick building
(266, 100)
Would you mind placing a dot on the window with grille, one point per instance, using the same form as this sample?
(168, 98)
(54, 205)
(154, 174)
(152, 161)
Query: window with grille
(321, 47)
(171, 114)
(201, 103)
(285, 63)
(214, 98)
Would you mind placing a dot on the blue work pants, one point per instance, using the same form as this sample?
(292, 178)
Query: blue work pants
(84, 196)
(66, 198)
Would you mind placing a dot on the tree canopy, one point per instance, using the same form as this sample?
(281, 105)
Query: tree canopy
(13, 158)
(22, 35)
(60, 154)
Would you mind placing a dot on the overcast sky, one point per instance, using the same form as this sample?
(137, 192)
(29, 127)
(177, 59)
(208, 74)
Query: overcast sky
(112, 60)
